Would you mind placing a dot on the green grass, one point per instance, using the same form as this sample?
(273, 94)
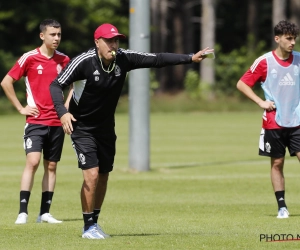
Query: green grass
(207, 189)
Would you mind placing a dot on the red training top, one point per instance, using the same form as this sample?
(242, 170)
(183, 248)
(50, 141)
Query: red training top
(39, 71)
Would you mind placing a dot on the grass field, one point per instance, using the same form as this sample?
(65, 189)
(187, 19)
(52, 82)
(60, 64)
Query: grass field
(207, 189)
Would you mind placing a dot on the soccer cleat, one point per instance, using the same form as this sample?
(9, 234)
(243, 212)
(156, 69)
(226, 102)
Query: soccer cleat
(92, 233)
(100, 230)
(283, 213)
(22, 218)
(46, 217)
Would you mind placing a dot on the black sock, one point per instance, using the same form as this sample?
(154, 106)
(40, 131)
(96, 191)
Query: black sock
(46, 202)
(24, 200)
(96, 215)
(280, 199)
(88, 220)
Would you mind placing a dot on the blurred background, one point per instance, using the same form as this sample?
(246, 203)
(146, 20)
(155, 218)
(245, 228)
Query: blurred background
(239, 31)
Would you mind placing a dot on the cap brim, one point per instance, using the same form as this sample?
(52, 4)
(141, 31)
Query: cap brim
(111, 35)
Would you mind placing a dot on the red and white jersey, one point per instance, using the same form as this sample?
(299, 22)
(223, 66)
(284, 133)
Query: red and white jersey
(39, 71)
(258, 73)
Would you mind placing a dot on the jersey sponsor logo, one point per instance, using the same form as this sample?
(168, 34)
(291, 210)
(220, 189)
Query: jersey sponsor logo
(28, 143)
(287, 80)
(40, 69)
(117, 71)
(58, 68)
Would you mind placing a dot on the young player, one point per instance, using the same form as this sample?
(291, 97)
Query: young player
(43, 131)
(278, 72)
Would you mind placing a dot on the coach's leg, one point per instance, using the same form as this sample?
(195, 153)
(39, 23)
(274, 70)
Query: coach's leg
(101, 190)
(88, 191)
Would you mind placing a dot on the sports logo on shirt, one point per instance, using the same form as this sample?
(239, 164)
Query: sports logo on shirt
(117, 70)
(274, 73)
(287, 80)
(40, 69)
(96, 74)
(58, 68)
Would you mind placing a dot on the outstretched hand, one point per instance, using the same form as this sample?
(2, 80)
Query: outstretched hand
(199, 56)
(66, 121)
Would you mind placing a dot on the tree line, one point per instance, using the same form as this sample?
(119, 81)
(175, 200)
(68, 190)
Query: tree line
(238, 30)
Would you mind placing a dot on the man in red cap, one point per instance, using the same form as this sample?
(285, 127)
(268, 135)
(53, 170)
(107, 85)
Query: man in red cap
(98, 75)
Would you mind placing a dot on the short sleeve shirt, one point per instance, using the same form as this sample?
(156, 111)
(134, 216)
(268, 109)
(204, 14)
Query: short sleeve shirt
(38, 72)
(257, 73)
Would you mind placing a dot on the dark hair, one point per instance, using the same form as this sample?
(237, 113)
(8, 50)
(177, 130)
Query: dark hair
(286, 28)
(49, 23)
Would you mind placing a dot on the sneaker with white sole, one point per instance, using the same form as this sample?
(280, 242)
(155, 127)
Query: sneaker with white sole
(92, 233)
(100, 231)
(46, 217)
(283, 213)
(22, 218)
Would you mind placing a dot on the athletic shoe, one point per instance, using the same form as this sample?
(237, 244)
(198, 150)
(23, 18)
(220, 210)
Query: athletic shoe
(92, 233)
(22, 218)
(283, 213)
(100, 230)
(46, 217)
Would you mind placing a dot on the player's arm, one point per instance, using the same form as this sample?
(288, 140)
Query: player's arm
(7, 85)
(67, 102)
(247, 91)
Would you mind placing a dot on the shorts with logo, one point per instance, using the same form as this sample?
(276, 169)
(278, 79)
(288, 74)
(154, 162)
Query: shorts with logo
(94, 150)
(49, 139)
(273, 142)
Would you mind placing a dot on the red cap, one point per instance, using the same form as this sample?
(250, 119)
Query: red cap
(107, 30)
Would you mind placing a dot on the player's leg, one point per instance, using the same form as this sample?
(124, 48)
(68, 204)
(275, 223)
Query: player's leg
(33, 140)
(53, 145)
(27, 180)
(278, 183)
(273, 144)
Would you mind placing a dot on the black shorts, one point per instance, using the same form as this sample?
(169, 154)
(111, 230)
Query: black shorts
(95, 150)
(273, 142)
(49, 139)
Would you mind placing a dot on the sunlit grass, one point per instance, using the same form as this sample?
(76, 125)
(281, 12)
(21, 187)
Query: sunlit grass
(207, 189)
